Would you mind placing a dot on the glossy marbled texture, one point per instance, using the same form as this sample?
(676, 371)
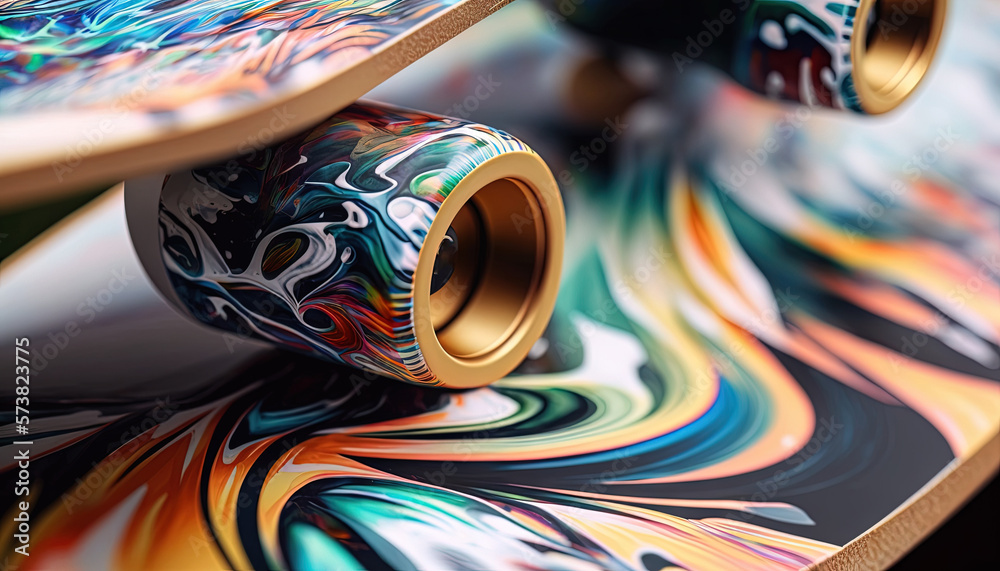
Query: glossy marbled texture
(795, 50)
(800, 51)
(156, 56)
(742, 373)
(313, 243)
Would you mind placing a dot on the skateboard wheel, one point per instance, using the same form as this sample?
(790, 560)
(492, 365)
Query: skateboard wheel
(865, 56)
(419, 247)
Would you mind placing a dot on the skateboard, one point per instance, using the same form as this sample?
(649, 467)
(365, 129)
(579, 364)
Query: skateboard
(349, 266)
(414, 246)
(91, 93)
(737, 373)
(244, 240)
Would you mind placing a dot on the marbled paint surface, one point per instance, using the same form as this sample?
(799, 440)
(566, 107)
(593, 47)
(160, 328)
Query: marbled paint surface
(156, 56)
(799, 51)
(795, 50)
(741, 372)
(313, 243)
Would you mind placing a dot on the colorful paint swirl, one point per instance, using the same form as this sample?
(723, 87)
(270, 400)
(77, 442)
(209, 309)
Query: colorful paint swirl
(742, 373)
(800, 51)
(158, 56)
(312, 244)
(805, 51)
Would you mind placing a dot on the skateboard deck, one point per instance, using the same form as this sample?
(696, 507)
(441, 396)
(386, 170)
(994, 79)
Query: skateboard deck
(790, 370)
(94, 92)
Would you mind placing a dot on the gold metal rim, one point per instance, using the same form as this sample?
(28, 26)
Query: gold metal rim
(523, 228)
(892, 47)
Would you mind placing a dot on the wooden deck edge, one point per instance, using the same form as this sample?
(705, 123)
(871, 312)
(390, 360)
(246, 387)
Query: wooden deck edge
(890, 539)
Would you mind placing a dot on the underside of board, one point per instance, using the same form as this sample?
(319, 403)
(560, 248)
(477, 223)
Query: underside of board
(94, 91)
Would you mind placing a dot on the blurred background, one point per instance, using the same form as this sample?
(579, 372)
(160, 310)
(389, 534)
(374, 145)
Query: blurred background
(820, 216)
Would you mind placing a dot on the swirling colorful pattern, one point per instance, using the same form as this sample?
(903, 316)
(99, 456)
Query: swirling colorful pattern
(795, 50)
(799, 50)
(157, 56)
(312, 244)
(741, 373)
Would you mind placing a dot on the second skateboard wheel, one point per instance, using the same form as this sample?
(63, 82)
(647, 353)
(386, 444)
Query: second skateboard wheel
(865, 56)
(415, 246)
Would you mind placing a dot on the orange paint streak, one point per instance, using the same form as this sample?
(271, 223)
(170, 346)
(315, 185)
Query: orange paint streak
(167, 510)
(793, 421)
(965, 409)
(694, 544)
